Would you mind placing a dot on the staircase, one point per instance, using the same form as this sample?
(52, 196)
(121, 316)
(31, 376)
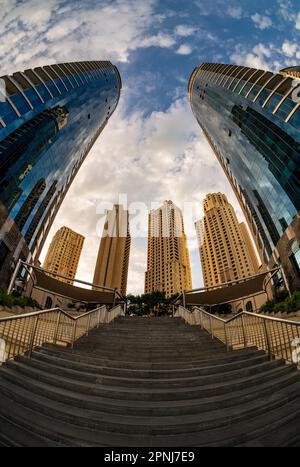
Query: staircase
(148, 382)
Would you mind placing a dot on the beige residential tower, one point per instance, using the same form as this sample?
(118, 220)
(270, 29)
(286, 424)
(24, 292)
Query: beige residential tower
(225, 247)
(168, 262)
(113, 256)
(63, 254)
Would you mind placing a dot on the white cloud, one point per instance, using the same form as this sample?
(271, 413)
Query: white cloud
(184, 30)
(297, 25)
(33, 15)
(261, 21)
(289, 48)
(109, 30)
(256, 58)
(160, 40)
(235, 12)
(286, 10)
(184, 49)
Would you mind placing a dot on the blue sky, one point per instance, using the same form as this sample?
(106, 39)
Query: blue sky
(152, 148)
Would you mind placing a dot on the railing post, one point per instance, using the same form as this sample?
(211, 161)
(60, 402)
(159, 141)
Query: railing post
(244, 332)
(201, 320)
(226, 337)
(183, 299)
(88, 325)
(267, 336)
(14, 276)
(211, 327)
(33, 335)
(57, 327)
(74, 333)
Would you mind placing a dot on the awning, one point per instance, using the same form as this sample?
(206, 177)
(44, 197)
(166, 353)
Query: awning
(47, 283)
(229, 292)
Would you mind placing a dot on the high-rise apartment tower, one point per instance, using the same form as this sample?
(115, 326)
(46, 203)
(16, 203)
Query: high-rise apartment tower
(225, 248)
(168, 261)
(50, 117)
(251, 119)
(64, 253)
(113, 256)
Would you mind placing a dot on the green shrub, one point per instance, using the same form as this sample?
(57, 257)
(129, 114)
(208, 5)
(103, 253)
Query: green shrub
(292, 303)
(268, 307)
(288, 304)
(279, 307)
(280, 296)
(5, 299)
(16, 299)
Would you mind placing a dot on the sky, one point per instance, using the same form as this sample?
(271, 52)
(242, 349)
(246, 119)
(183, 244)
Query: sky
(152, 148)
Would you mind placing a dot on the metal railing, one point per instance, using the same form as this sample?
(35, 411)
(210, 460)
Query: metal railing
(21, 334)
(278, 337)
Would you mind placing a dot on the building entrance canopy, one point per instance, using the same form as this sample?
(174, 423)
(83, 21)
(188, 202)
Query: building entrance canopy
(229, 292)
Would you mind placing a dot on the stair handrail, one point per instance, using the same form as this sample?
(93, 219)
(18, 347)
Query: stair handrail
(280, 338)
(20, 334)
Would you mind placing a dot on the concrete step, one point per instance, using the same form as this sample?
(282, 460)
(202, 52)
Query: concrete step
(140, 382)
(232, 435)
(76, 355)
(147, 392)
(144, 407)
(63, 363)
(154, 425)
(11, 435)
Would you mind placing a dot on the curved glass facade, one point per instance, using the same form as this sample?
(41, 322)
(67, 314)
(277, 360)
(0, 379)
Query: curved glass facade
(253, 126)
(50, 118)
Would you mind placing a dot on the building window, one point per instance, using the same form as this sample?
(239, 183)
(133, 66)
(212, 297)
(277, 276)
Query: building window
(296, 255)
(48, 303)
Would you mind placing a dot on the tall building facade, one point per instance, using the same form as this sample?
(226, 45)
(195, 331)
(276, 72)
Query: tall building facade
(168, 260)
(252, 122)
(113, 256)
(50, 118)
(225, 248)
(64, 253)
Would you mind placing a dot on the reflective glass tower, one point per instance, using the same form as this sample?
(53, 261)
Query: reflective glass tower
(251, 119)
(50, 118)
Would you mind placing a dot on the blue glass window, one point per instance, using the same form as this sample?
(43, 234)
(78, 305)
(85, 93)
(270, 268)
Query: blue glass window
(33, 97)
(239, 86)
(59, 84)
(45, 78)
(263, 96)
(254, 92)
(21, 104)
(71, 78)
(7, 113)
(297, 257)
(233, 84)
(273, 102)
(43, 92)
(295, 120)
(246, 89)
(285, 108)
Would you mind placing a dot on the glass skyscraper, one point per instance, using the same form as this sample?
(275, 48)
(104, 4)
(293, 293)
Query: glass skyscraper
(252, 122)
(50, 118)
